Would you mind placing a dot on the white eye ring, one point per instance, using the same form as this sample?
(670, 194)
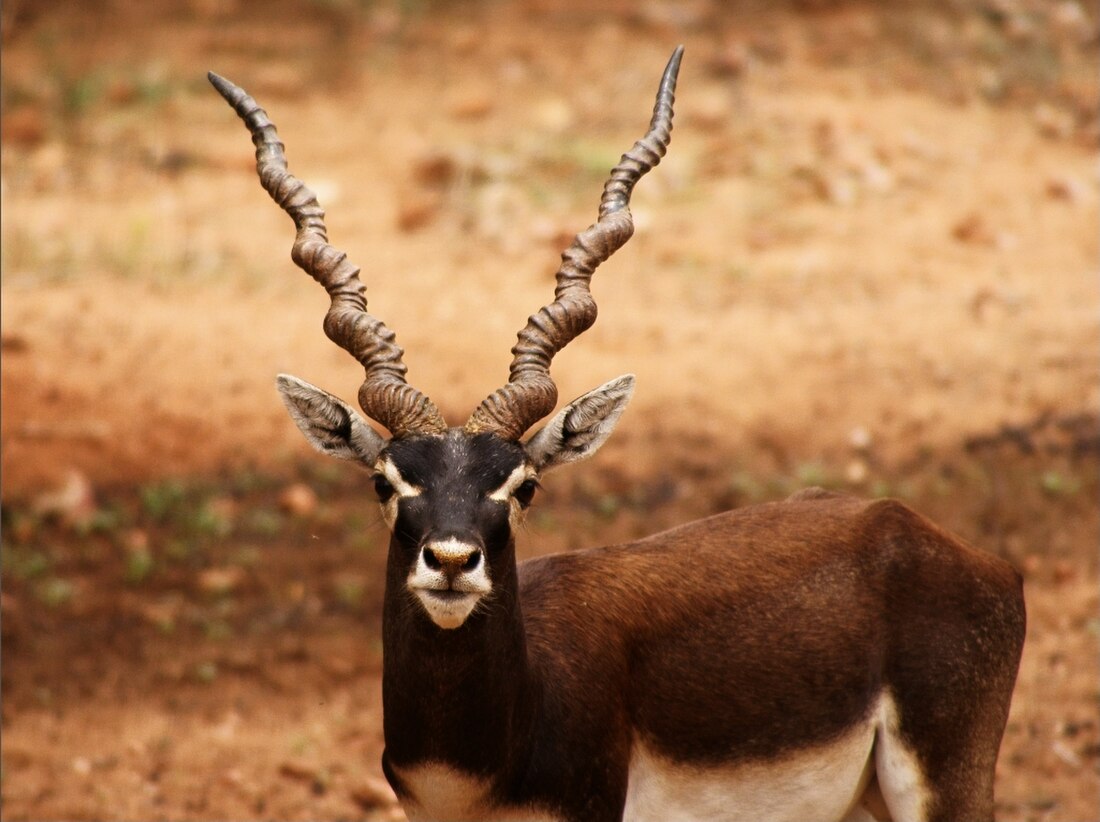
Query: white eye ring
(525, 492)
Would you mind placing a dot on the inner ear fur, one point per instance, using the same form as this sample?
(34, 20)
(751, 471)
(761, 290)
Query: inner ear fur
(330, 425)
(578, 430)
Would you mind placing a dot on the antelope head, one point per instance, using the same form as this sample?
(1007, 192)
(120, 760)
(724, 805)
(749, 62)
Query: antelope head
(452, 497)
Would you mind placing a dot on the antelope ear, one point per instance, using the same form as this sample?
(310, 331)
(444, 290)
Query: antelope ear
(331, 425)
(579, 429)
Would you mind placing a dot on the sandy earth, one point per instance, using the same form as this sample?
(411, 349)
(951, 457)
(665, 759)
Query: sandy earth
(869, 261)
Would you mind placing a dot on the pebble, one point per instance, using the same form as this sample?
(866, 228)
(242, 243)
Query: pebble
(856, 472)
(73, 502)
(437, 170)
(1066, 189)
(298, 770)
(299, 499)
(860, 438)
(973, 229)
(220, 581)
(1053, 122)
(25, 126)
(471, 105)
(415, 211)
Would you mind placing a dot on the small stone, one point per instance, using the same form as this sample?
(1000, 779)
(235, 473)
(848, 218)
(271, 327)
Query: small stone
(73, 502)
(136, 539)
(838, 190)
(298, 770)
(233, 778)
(435, 170)
(329, 192)
(877, 177)
(833, 187)
(1031, 565)
(220, 581)
(991, 83)
(26, 126)
(1070, 18)
(14, 344)
(1061, 750)
(162, 615)
(1066, 189)
(121, 91)
(224, 510)
(1064, 571)
(226, 730)
(917, 145)
(856, 472)
(417, 211)
(299, 499)
(9, 606)
(1053, 122)
(860, 438)
(473, 104)
(973, 229)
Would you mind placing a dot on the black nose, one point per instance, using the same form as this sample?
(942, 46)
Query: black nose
(451, 557)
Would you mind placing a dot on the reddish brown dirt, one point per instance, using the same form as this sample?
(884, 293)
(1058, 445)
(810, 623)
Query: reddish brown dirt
(869, 261)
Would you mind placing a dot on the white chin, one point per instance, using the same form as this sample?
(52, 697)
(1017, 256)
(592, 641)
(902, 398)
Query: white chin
(447, 612)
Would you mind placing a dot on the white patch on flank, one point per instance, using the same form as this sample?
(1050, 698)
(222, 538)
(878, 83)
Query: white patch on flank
(440, 792)
(449, 602)
(900, 778)
(820, 783)
(826, 782)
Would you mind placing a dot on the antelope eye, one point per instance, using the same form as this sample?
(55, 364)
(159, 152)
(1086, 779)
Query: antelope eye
(526, 492)
(383, 488)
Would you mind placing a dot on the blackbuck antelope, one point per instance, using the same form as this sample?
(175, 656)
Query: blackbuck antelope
(821, 658)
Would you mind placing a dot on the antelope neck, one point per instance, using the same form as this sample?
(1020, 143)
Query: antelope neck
(464, 697)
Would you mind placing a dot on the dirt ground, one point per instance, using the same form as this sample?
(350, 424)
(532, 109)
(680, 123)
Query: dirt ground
(869, 262)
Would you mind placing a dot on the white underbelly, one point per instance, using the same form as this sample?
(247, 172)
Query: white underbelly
(820, 783)
(825, 782)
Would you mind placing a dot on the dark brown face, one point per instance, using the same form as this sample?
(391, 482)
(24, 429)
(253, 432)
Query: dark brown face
(452, 503)
(454, 499)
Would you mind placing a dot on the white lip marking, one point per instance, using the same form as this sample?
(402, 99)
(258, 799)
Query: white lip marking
(520, 475)
(449, 602)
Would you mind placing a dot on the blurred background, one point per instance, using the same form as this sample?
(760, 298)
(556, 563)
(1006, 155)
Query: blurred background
(869, 262)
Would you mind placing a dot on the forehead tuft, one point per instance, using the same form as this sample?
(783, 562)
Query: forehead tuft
(484, 460)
